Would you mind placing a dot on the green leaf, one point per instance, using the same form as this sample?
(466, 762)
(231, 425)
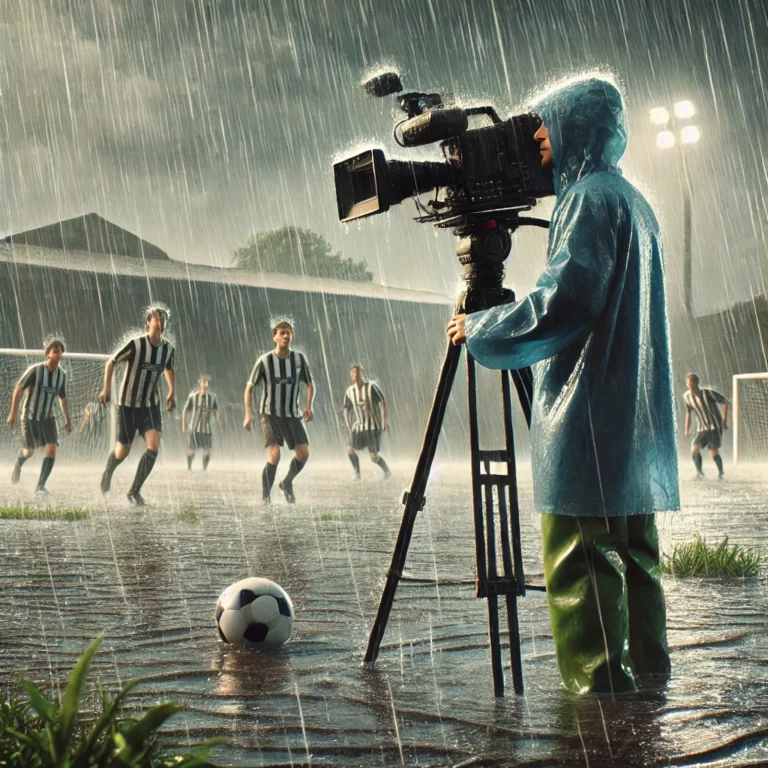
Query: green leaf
(70, 703)
(105, 721)
(41, 705)
(137, 736)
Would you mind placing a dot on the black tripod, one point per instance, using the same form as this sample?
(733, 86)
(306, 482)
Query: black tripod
(482, 252)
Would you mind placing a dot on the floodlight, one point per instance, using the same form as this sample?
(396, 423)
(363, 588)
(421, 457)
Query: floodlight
(684, 110)
(665, 139)
(690, 134)
(659, 115)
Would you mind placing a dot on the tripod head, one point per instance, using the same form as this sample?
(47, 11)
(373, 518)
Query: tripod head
(482, 250)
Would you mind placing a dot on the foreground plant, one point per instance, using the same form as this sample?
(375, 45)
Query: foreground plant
(38, 733)
(697, 558)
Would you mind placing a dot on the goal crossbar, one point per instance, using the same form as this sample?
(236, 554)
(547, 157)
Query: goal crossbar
(736, 421)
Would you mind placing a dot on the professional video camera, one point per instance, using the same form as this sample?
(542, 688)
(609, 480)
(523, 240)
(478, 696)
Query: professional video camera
(490, 172)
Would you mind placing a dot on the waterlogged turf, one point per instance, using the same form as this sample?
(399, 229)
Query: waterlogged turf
(149, 578)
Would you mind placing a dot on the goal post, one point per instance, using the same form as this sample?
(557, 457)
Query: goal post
(750, 417)
(94, 428)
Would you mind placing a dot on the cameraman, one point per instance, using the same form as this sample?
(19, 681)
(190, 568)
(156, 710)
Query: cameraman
(602, 431)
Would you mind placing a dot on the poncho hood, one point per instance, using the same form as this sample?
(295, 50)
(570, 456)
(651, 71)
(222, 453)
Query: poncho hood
(585, 120)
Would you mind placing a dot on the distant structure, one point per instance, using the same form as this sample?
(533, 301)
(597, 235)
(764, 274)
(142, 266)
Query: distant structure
(89, 233)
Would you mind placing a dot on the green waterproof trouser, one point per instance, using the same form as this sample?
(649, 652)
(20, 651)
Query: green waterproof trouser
(605, 599)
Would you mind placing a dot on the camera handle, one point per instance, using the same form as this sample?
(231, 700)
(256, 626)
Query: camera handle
(484, 279)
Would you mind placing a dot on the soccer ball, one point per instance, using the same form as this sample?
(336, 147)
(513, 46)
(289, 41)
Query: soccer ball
(254, 611)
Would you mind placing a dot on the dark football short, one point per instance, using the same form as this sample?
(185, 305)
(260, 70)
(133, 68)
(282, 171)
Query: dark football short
(200, 440)
(283, 429)
(35, 433)
(708, 438)
(366, 438)
(133, 420)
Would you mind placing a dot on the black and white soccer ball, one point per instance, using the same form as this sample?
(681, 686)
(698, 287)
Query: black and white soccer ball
(254, 612)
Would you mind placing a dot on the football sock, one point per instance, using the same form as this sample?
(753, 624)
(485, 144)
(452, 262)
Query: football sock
(719, 462)
(146, 462)
(190, 459)
(382, 464)
(20, 459)
(355, 462)
(293, 470)
(697, 462)
(112, 462)
(45, 472)
(268, 479)
(206, 459)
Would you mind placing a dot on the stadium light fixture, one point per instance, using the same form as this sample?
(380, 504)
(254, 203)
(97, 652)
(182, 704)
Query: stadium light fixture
(684, 110)
(690, 134)
(659, 115)
(665, 139)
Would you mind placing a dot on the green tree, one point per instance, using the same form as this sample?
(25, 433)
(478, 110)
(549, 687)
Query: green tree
(295, 251)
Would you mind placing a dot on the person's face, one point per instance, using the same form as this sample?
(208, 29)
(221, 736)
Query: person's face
(545, 148)
(54, 354)
(203, 384)
(355, 374)
(283, 337)
(156, 323)
(693, 383)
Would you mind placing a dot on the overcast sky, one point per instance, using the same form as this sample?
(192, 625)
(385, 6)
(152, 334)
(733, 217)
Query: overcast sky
(195, 123)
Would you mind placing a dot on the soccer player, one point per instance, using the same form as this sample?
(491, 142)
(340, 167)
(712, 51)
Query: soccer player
(196, 418)
(365, 401)
(41, 384)
(710, 423)
(280, 372)
(145, 357)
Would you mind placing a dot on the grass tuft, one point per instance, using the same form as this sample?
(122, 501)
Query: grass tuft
(69, 514)
(37, 732)
(188, 514)
(324, 516)
(697, 558)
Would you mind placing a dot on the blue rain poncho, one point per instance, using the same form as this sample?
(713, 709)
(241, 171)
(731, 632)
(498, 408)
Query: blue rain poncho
(594, 330)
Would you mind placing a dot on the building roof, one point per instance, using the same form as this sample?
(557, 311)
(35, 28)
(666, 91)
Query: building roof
(90, 233)
(105, 263)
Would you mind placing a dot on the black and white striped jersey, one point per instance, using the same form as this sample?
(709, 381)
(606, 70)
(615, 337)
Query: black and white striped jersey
(41, 388)
(365, 404)
(199, 410)
(281, 379)
(144, 368)
(706, 405)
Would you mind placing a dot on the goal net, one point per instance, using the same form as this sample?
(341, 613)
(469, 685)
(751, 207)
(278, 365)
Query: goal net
(93, 426)
(750, 417)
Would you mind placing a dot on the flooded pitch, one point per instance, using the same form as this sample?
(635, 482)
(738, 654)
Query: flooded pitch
(150, 578)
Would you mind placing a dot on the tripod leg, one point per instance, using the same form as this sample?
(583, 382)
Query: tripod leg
(524, 384)
(414, 498)
(485, 535)
(514, 507)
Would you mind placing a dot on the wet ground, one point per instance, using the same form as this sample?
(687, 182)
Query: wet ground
(150, 582)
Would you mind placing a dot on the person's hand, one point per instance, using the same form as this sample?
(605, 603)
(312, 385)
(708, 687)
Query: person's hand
(170, 401)
(104, 396)
(385, 425)
(456, 334)
(247, 423)
(11, 420)
(308, 415)
(68, 425)
(725, 423)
